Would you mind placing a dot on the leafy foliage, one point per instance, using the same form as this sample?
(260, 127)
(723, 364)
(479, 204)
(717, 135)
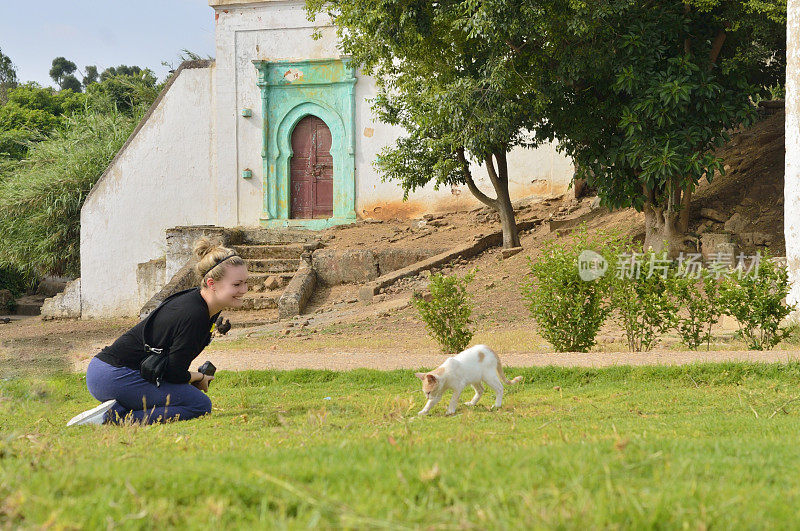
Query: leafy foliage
(8, 77)
(643, 306)
(641, 93)
(568, 309)
(447, 314)
(757, 301)
(30, 113)
(449, 82)
(61, 70)
(699, 296)
(40, 199)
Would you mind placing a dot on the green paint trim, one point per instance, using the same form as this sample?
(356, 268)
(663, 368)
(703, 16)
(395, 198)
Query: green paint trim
(291, 90)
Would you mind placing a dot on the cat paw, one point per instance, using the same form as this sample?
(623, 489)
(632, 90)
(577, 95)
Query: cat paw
(422, 413)
(450, 413)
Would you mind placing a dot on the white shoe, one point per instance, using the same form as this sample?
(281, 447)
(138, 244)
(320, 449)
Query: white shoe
(93, 416)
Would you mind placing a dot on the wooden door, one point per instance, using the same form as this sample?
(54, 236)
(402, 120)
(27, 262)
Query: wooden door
(311, 170)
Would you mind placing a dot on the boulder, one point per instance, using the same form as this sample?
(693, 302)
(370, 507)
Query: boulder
(713, 214)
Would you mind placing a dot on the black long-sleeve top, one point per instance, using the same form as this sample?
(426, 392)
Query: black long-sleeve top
(182, 324)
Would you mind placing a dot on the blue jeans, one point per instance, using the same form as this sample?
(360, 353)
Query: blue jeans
(141, 400)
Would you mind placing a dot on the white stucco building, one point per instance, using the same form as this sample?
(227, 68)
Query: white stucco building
(791, 191)
(276, 132)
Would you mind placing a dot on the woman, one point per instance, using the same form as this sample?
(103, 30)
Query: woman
(183, 325)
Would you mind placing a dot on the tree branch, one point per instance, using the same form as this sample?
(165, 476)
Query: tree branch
(483, 198)
(492, 172)
(716, 47)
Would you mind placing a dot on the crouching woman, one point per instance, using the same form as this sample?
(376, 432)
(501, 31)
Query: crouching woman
(183, 325)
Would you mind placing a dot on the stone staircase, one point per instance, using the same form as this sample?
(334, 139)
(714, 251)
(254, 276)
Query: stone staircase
(272, 259)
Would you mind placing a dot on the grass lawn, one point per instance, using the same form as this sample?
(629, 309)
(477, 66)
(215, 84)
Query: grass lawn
(627, 447)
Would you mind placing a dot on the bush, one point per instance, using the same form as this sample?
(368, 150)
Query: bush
(447, 314)
(14, 281)
(41, 198)
(643, 305)
(569, 310)
(756, 300)
(700, 297)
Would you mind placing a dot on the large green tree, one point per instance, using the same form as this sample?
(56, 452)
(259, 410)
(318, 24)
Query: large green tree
(31, 113)
(452, 84)
(641, 93)
(8, 77)
(61, 69)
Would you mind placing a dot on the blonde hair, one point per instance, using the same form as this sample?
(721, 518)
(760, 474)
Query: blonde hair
(213, 258)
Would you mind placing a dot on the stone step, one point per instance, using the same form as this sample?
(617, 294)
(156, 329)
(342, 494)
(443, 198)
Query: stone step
(248, 318)
(255, 280)
(289, 250)
(29, 305)
(259, 236)
(259, 301)
(272, 265)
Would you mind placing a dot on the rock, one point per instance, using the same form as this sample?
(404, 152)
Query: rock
(737, 223)
(707, 224)
(712, 242)
(595, 204)
(272, 282)
(507, 253)
(713, 214)
(756, 238)
(343, 267)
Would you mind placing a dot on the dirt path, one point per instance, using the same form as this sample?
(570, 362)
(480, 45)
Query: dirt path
(402, 359)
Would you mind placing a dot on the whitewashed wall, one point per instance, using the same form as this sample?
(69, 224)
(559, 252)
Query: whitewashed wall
(791, 193)
(160, 179)
(280, 30)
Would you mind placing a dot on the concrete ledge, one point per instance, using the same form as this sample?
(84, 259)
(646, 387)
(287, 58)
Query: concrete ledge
(185, 278)
(369, 290)
(352, 266)
(64, 305)
(296, 295)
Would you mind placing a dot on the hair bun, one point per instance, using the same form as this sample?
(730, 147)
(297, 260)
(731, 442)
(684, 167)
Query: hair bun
(204, 246)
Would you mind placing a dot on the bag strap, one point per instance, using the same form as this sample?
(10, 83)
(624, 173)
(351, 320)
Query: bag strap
(148, 320)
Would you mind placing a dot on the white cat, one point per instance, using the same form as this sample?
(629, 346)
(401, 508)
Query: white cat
(471, 367)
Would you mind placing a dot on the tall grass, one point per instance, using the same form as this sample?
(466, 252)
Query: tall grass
(41, 196)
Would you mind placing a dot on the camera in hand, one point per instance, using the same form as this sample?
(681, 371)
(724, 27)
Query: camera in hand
(207, 368)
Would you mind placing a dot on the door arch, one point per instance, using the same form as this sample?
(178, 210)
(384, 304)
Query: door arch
(311, 170)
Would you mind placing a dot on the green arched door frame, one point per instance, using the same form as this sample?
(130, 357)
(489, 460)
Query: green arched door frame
(291, 90)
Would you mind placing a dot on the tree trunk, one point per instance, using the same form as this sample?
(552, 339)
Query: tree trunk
(499, 180)
(502, 204)
(664, 224)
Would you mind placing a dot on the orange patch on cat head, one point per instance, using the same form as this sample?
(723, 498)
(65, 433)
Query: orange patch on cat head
(429, 383)
(438, 372)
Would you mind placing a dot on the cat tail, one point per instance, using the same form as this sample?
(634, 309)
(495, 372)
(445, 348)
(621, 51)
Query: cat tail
(502, 375)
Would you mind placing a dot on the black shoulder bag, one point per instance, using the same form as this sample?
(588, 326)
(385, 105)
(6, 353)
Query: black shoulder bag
(154, 366)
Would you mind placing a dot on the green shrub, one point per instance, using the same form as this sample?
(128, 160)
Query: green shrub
(447, 314)
(699, 295)
(643, 306)
(13, 280)
(41, 197)
(756, 299)
(569, 310)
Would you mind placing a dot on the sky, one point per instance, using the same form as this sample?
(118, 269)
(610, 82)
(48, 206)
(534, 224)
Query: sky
(103, 33)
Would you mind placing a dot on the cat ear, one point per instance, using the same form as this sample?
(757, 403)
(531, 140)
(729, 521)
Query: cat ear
(420, 375)
(431, 378)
